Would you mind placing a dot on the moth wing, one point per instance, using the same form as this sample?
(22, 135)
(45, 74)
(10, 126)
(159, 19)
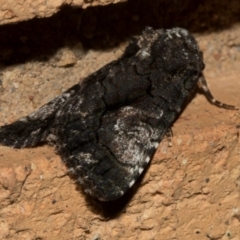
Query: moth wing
(124, 143)
(33, 129)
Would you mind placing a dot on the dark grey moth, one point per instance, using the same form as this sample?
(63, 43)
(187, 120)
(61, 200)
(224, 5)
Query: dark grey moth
(107, 128)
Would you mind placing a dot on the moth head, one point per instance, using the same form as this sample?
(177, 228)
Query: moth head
(172, 47)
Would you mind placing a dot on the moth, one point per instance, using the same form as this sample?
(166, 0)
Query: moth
(107, 128)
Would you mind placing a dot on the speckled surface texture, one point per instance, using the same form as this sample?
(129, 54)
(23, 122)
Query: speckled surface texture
(190, 190)
(21, 10)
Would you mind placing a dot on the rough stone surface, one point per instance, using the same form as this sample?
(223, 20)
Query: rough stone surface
(12, 11)
(190, 190)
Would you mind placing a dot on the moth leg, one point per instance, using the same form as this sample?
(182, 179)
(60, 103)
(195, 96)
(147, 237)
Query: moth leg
(203, 85)
(169, 135)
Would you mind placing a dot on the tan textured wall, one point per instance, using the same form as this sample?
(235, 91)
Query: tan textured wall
(190, 190)
(12, 11)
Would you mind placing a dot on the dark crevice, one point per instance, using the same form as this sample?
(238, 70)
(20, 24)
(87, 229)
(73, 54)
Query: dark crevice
(102, 27)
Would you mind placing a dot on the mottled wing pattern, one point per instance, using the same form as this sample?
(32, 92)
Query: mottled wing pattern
(108, 156)
(34, 128)
(108, 131)
(107, 128)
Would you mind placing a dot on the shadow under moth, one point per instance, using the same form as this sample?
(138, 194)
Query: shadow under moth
(107, 128)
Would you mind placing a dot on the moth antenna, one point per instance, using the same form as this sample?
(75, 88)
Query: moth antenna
(169, 135)
(203, 85)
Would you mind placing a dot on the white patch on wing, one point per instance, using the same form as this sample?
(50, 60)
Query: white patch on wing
(87, 157)
(140, 170)
(136, 168)
(23, 119)
(71, 170)
(131, 170)
(169, 34)
(143, 54)
(155, 144)
(131, 183)
(147, 159)
(178, 35)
